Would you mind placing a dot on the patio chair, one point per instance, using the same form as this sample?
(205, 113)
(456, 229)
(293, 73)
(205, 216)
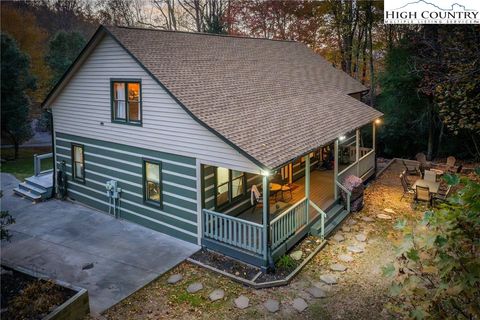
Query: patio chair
(451, 163)
(423, 194)
(424, 165)
(407, 190)
(430, 176)
(411, 170)
(441, 196)
(255, 197)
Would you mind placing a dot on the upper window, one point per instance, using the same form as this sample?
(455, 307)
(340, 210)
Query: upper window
(152, 182)
(78, 163)
(230, 186)
(126, 101)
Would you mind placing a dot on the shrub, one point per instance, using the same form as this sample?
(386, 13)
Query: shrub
(437, 271)
(286, 263)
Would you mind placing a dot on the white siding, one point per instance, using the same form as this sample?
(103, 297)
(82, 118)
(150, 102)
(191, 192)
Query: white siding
(84, 103)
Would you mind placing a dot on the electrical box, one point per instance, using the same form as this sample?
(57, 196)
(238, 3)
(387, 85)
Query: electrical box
(113, 191)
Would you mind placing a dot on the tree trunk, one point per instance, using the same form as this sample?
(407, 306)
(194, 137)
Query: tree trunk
(431, 133)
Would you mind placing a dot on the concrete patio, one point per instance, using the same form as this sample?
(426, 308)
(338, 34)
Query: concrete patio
(59, 238)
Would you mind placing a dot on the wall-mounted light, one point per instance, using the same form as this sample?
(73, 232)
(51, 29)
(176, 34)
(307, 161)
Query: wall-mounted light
(378, 121)
(341, 138)
(266, 173)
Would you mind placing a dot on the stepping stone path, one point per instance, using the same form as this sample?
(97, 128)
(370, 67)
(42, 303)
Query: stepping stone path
(352, 222)
(272, 305)
(346, 229)
(328, 278)
(384, 216)
(338, 267)
(355, 249)
(296, 255)
(388, 210)
(316, 292)
(194, 287)
(368, 219)
(299, 304)
(174, 278)
(338, 237)
(216, 294)
(361, 237)
(345, 258)
(242, 302)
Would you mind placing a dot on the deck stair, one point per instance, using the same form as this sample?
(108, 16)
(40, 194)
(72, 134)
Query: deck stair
(335, 215)
(36, 188)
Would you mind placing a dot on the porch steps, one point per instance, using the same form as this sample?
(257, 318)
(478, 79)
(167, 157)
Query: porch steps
(335, 215)
(36, 188)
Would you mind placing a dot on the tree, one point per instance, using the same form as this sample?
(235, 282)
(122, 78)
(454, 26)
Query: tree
(437, 271)
(63, 49)
(16, 80)
(31, 39)
(6, 219)
(402, 104)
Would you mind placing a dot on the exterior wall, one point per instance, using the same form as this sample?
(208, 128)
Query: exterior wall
(106, 161)
(83, 108)
(209, 192)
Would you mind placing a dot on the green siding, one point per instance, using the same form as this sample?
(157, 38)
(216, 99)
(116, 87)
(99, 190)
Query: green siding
(178, 217)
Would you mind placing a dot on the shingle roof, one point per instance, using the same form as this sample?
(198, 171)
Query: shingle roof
(273, 100)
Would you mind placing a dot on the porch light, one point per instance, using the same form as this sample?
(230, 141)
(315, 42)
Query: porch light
(266, 173)
(341, 138)
(378, 121)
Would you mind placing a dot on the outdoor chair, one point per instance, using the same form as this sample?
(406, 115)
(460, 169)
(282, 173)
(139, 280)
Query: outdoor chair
(256, 197)
(411, 170)
(430, 176)
(423, 194)
(424, 165)
(451, 164)
(407, 190)
(441, 196)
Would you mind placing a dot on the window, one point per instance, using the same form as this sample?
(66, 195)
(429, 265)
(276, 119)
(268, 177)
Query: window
(152, 190)
(126, 101)
(230, 186)
(78, 163)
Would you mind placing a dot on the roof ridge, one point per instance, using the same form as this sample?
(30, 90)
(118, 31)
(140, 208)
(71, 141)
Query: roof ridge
(202, 33)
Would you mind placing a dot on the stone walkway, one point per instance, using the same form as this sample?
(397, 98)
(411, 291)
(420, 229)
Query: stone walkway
(355, 243)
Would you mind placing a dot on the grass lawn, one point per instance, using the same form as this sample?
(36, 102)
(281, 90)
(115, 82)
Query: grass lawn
(23, 166)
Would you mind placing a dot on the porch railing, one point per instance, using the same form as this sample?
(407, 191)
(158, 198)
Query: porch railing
(348, 193)
(323, 216)
(37, 163)
(233, 231)
(288, 223)
(366, 163)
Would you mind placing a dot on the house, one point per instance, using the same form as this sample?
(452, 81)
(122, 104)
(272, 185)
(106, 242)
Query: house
(171, 130)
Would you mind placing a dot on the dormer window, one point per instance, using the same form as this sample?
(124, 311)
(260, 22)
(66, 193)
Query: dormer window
(126, 101)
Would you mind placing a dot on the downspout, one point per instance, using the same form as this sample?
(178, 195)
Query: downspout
(54, 171)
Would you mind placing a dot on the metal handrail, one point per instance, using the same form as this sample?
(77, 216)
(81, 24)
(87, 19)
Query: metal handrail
(37, 163)
(349, 194)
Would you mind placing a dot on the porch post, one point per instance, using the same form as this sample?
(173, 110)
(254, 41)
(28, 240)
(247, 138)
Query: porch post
(266, 217)
(307, 184)
(374, 144)
(373, 135)
(357, 150)
(335, 169)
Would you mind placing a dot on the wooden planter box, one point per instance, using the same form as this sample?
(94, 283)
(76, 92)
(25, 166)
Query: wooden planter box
(76, 307)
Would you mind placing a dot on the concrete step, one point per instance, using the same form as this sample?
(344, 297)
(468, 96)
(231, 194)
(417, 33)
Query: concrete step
(333, 224)
(27, 194)
(41, 181)
(33, 189)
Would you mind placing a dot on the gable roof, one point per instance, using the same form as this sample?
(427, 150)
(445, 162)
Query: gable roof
(272, 100)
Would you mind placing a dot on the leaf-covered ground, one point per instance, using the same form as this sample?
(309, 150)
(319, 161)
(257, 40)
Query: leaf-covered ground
(360, 293)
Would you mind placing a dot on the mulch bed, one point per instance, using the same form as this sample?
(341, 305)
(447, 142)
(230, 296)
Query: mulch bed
(248, 272)
(19, 289)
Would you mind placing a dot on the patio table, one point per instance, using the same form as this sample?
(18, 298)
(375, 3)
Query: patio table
(432, 186)
(274, 189)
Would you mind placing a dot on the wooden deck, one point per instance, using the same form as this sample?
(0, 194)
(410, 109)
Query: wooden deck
(321, 193)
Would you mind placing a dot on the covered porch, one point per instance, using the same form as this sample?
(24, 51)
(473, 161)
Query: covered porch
(258, 233)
